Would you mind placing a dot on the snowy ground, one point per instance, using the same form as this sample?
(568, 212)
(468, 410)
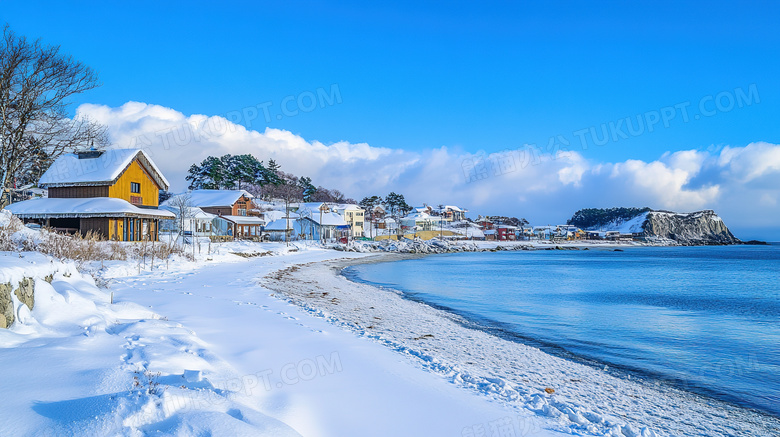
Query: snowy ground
(200, 348)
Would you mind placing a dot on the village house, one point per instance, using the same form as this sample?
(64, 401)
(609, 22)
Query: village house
(189, 221)
(326, 226)
(450, 213)
(421, 221)
(222, 202)
(113, 193)
(230, 209)
(376, 221)
(280, 226)
(485, 223)
(353, 215)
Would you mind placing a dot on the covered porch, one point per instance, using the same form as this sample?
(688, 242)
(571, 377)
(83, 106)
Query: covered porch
(238, 227)
(108, 218)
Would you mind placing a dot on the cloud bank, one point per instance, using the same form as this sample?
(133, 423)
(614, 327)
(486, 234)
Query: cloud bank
(741, 183)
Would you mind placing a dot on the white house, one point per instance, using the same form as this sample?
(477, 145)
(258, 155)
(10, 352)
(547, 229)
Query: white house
(422, 221)
(189, 221)
(452, 213)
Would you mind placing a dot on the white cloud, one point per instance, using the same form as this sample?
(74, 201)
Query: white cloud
(745, 164)
(741, 183)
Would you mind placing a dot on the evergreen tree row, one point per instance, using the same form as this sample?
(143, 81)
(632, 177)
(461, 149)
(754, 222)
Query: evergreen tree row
(232, 172)
(593, 218)
(267, 181)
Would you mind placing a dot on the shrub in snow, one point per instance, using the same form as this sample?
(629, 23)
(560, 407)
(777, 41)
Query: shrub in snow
(15, 237)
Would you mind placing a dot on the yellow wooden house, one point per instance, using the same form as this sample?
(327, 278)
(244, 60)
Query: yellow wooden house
(114, 193)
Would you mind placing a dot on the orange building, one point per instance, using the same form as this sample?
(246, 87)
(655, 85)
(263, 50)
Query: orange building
(114, 193)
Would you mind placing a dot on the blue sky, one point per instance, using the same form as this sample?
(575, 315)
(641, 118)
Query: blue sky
(415, 77)
(412, 76)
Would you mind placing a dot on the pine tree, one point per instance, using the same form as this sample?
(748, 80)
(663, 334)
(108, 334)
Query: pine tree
(244, 169)
(209, 175)
(368, 204)
(397, 207)
(229, 169)
(308, 188)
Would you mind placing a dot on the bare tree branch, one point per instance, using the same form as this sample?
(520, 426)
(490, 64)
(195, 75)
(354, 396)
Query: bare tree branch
(36, 84)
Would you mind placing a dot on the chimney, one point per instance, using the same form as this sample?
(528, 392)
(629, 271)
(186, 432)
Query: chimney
(89, 154)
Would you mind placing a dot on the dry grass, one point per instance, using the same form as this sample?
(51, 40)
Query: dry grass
(7, 232)
(84, 248)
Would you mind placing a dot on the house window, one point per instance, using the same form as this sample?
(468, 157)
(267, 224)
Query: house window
(135, 187)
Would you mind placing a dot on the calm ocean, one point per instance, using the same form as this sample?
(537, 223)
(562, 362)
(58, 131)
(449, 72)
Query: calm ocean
(706, 319)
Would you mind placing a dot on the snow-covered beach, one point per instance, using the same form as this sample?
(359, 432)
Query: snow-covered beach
(265, 339)
(585, 401)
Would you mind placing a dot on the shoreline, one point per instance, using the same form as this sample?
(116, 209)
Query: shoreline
(585, 399)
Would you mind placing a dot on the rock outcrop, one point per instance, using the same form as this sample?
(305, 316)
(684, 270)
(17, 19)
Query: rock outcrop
(6, 305)
(696, 228)
(25, 292)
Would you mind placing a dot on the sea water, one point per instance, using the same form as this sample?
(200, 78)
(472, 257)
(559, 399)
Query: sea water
(706, 319)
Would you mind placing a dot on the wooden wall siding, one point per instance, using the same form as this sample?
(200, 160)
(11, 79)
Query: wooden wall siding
(241, 203)
(150, 191)
(224, 210)
(98, 225)
(78, 192)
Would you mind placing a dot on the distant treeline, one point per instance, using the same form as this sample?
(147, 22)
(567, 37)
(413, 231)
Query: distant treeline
(267, 181)
(591, 218)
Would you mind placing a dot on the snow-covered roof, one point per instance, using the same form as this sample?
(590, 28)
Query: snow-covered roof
(313, 206)
(328, 219)
(243, 219)
(279, 225)
(192, 212)
(347, 207)
(276, 215)
(104, 168)
(421, 216)
(212, 198)
(83, 208)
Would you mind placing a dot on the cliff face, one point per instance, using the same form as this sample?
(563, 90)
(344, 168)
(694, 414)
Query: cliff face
(696, 228)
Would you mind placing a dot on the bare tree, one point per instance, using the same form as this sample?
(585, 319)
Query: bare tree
(182, 207)
(288, 191)
(36, 83)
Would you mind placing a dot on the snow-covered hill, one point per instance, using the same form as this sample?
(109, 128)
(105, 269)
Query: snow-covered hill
(626, 226)
(695, 228)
